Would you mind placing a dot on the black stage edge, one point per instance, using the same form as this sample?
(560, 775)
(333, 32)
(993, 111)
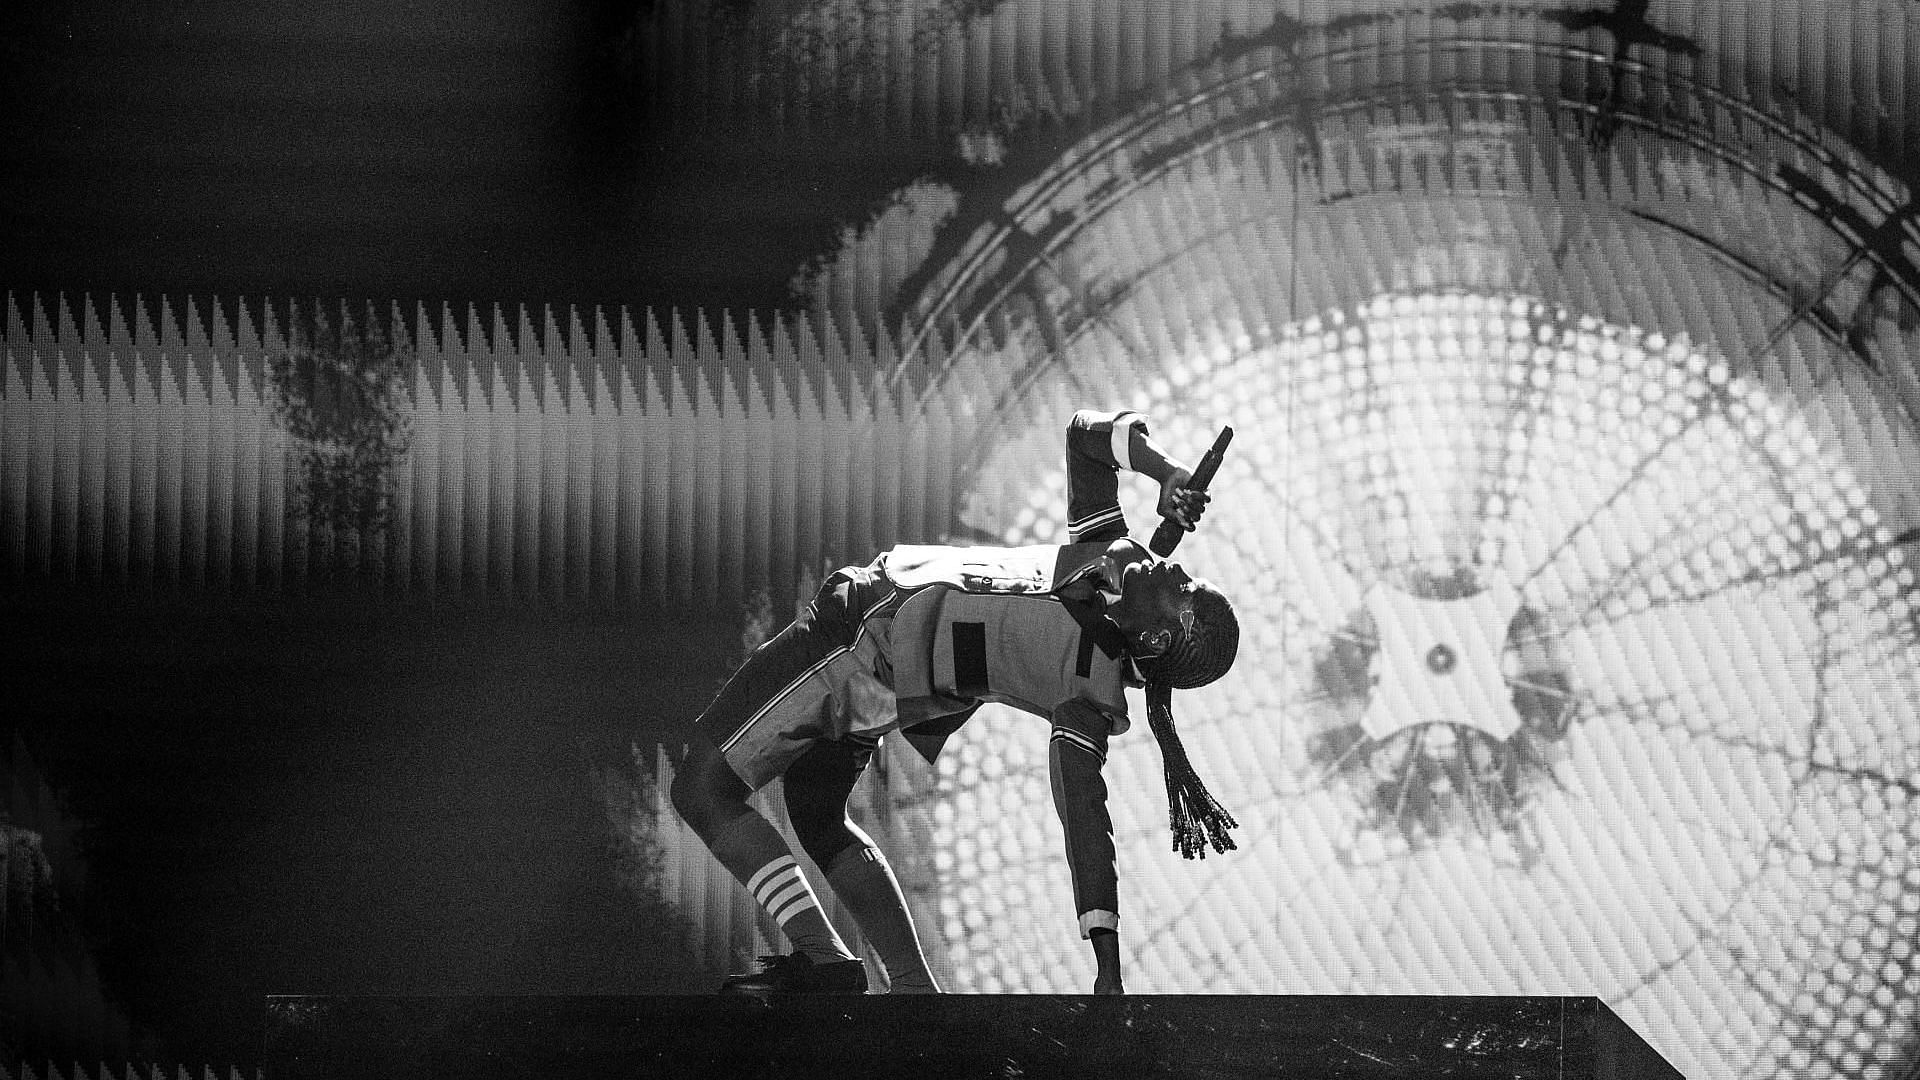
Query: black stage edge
(955, 1037)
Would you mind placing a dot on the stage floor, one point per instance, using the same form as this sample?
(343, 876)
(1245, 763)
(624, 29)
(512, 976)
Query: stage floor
(1002, 1037)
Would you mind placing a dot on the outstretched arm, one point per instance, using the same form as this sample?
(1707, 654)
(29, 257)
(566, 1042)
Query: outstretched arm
(1076, 753)
(1099, 445)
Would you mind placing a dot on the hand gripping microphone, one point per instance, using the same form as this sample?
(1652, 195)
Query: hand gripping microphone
(1167, 536)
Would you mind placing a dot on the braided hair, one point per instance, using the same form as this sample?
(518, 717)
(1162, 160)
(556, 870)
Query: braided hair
(1203, 653)
(1197, 657)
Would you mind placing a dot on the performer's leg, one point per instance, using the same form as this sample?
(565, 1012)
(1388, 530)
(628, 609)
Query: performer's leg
(713, 800)
(781, 701)
(817, 786)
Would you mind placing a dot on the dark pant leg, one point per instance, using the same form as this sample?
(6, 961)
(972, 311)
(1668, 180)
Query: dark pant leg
(817, 788)
(706, 792)
(818, 785)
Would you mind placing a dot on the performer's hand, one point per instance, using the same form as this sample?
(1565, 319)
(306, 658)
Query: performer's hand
(1108, 983)
(1179, 503)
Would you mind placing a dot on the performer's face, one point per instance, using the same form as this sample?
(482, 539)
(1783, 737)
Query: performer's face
(1155, 606)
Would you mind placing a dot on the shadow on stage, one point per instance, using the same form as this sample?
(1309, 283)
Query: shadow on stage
(956, 1037)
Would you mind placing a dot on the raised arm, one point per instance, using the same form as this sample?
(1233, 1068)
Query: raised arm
(1099, 445)
(1076, 753)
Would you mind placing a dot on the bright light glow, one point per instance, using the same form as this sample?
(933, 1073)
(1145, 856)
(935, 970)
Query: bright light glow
(1695, 800)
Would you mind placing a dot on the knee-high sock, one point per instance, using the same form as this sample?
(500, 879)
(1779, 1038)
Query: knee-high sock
(753, 851)
(864, 882)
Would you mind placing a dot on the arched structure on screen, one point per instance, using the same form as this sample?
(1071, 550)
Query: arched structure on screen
(1588, 377)
(1572, 363)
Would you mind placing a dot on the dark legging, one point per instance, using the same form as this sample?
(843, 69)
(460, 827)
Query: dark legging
(817, 789)
(709, 795)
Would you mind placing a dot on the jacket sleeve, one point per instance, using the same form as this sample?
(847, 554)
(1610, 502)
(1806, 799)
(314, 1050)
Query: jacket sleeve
(1075, 755)
(1099, 444)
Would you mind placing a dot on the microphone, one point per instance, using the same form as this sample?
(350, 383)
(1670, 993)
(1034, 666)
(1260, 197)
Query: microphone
(1167, 536)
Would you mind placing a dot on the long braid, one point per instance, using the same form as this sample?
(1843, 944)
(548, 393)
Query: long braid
(1197, 819)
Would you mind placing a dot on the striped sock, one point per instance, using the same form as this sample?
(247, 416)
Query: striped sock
(782, 889)
(755, 853)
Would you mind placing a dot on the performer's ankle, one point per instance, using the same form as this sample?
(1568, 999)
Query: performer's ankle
(820, 948)
(912, 982)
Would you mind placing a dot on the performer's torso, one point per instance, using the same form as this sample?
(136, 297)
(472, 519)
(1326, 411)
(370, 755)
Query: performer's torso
(987, 624)
(1025, 651)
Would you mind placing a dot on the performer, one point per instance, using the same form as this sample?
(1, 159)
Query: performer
(916, 642)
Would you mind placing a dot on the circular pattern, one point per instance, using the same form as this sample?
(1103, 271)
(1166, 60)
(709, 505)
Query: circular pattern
(1691, 794)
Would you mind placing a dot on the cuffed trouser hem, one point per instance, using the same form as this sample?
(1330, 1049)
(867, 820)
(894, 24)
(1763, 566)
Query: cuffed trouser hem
(1098, 920)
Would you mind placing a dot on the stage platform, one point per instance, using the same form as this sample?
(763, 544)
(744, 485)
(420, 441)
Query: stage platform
(956, 1037)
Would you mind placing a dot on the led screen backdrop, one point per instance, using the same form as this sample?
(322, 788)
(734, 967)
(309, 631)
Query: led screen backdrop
(1571, 516)
(1574, 662)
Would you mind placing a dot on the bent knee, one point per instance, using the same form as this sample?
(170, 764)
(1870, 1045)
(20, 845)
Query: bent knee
(822, 840)
(819, 820)
(705, 791)
(685, 793)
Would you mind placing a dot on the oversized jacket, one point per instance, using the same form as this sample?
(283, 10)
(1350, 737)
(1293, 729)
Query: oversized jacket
(1025, 627)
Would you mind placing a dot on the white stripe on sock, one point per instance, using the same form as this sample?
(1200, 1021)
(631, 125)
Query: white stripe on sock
(779, 894)
(801, 901)
(760, 876)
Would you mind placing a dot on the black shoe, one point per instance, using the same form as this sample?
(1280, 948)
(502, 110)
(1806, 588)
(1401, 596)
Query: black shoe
(796, 973)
